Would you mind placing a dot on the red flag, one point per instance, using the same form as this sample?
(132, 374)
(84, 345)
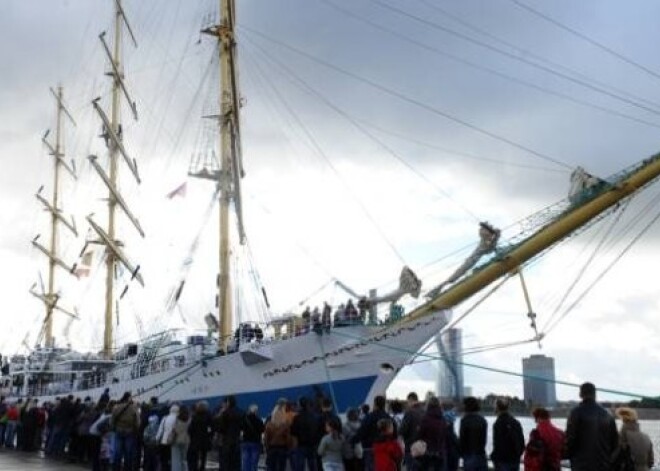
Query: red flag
(178, 191)
(85, 264)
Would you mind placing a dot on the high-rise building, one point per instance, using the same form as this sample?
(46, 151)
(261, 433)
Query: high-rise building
(450, 379)
(539, 380)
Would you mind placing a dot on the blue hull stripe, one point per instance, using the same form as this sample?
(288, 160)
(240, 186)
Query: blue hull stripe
(348, 393)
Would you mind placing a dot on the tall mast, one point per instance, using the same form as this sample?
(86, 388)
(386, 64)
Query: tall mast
(53, 221)
(50, 296)
(112, 203)
(230, 170)
(114, 140)
(612, 192)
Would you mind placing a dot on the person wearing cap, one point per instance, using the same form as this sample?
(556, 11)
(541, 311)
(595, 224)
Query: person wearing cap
(591, 436)
(630, 435)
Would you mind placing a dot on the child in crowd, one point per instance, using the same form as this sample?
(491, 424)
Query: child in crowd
(331, 446)
(388, 452)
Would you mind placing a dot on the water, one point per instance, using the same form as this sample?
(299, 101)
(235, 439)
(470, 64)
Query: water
(650, 427)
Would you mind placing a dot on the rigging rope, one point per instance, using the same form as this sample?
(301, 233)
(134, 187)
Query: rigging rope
(586, 265)
(321, 153)
(514, 56)
(407, 99)
(604, 272)
(482, 367)
(314, 92)
(489, 70)
(586, 38)
(529, 53)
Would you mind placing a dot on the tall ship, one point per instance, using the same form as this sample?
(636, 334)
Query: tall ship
(348, 353)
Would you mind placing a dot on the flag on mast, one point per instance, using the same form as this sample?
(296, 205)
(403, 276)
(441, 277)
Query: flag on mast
(178, 191)
(85, 266)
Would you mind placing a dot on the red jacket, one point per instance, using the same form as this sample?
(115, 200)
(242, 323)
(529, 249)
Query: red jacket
(12, 413)
(544, 449)
(387, 454)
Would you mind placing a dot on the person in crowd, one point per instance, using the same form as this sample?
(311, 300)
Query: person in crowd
(19, 423)
(147, 409)
(639, 443)
(304, 432)
(316, 320)
(591, 435)
(364, 411)
(30, 422)
(105, 397)
(10, 428)
(387, 451)
(363, 309)
(326, 317)
(369, 431)
(396, 411)
(352, 315)
(432, 431)
(306, 320)
(180, 441)
(331, 446)
(508, 439)
(126, 424)
(327, 414)
(472, 435)
(452, 450)
(166, 437)
(228, 426)
(3, 419)
(544, 448)
(86, 418)
(340, 316)
(100, 438)
(252, 430)
(200, 437)
(41, 424)
(75, 445)
(150, 444)
(277, 436)
(409, 426)
(353, 453)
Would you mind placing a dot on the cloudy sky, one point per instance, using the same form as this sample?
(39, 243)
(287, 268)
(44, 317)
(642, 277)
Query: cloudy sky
(376, 133)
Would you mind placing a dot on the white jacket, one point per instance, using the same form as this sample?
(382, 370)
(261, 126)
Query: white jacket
(165, 428)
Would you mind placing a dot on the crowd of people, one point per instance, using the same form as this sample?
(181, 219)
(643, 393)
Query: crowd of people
(308, 434)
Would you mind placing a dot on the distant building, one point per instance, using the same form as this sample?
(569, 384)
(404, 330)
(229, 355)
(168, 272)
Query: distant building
(450, 379)
(539, 392)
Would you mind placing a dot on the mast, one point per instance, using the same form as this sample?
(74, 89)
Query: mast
(53, 222)
(571, 220)
(112, 202)
(114, 140)
(230, 170)
(50, 296)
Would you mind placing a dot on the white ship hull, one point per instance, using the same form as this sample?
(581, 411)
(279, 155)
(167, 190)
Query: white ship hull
(349, 364)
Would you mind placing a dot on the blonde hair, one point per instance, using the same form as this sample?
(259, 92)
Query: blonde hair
(279, 416)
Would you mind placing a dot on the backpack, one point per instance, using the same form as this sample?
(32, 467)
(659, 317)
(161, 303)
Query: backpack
(104, 426)
(150, 433)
